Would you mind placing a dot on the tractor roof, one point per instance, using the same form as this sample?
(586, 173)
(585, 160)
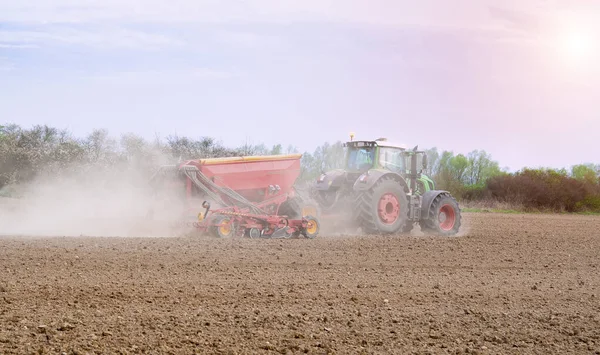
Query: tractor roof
(391, 144)
(380, 143)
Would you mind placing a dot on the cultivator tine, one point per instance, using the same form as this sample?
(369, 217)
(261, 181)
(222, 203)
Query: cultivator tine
(281, 233)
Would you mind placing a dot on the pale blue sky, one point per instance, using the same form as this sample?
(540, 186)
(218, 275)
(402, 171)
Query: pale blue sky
(519, 79)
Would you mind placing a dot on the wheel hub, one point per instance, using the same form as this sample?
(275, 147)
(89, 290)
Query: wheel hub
(442, 217)
(311, 227)
(447, 218)
(388, 208)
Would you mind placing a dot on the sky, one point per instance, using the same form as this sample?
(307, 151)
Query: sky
(518, 79)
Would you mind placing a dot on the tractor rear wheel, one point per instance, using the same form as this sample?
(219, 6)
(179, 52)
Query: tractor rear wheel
(443, 217)
(384, 208)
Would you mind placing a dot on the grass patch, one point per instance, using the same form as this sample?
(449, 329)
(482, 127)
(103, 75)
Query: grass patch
(588, 213)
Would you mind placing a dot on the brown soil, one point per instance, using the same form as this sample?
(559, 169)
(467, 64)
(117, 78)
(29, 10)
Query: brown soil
(515, 284)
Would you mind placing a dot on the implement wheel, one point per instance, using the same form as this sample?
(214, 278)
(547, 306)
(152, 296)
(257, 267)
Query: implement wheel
(312, 229)
(224, 227)
(443, 218)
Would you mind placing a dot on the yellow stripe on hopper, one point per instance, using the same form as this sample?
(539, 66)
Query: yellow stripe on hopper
(231, 160)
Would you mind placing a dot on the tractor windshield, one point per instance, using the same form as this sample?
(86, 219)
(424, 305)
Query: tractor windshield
(361, 158)
(392, 159)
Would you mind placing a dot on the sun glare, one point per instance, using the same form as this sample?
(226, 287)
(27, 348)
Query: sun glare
(573, 42)
(578, 45)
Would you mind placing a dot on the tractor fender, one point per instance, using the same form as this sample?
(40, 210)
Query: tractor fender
(330, 179)
(368, 179)
(427, 200)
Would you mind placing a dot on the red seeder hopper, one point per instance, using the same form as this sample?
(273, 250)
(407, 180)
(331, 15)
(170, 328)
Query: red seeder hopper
(250, 196)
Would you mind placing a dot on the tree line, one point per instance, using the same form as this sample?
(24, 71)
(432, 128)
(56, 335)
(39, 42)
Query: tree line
(43, 150)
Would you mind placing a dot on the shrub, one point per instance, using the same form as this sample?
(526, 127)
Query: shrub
(475, 192)
(543, 189)
(589, 204)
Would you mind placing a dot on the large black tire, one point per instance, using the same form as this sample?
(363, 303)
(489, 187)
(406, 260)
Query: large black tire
(390, 219)
(443, 217)
(293, 208)
(327, 200)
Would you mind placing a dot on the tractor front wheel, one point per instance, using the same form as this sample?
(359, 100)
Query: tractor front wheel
(298, 207)
(443, 218)
(383, 209)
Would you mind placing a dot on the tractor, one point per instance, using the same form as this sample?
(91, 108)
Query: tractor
(382, 190)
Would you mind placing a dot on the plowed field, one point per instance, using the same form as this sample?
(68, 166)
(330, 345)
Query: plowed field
(513, 284)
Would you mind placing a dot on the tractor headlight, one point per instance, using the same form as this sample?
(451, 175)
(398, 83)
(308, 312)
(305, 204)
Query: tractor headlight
(200, 217)
(321, 178)
(363, 178)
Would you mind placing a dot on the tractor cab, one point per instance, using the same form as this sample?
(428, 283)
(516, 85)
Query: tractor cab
(362, 156)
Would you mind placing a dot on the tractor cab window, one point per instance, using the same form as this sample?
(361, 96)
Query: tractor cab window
(392, 159)
(361, 158)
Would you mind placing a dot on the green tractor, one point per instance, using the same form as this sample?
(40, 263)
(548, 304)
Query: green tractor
(382, 190)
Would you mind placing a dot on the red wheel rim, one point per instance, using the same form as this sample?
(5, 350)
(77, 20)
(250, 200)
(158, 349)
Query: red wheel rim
(447, 217)
(389, 208)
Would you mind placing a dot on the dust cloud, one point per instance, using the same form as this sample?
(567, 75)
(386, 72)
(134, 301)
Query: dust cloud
(92, 204)
(117, 203)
